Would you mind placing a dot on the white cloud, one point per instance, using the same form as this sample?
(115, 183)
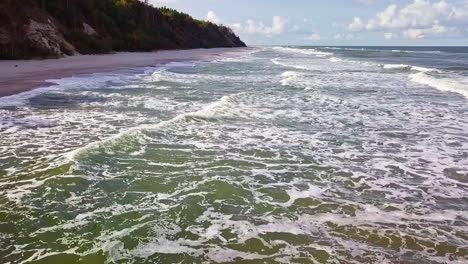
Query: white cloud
(419, 19)
(382, 19)
(356, 26)
(435, 30)
(212, 17)
(314, 37)
(346, 36)
(250, 26)
(294, 28)
(390, 35)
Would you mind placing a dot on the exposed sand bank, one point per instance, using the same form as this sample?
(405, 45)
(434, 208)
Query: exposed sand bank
(18, 76)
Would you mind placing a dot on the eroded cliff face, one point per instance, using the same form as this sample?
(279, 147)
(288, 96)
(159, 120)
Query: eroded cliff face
(47, 38)
(55, 28)
(26, 31)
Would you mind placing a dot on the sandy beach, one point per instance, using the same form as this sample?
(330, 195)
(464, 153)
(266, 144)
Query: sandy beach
(18, 76)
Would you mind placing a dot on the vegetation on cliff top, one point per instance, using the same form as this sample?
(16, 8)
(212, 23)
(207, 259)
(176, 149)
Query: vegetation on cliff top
(52, 28)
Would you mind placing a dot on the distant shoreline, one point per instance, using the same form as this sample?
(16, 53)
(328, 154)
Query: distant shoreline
(17, 76)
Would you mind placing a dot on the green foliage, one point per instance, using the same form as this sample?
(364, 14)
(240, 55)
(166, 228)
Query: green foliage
(122, 25)
(88, 44)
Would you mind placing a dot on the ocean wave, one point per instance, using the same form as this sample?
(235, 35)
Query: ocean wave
(295, 79)
(285, 64)
(383, 50)
(177, 64)
(444, 84)
(280, 62)
(338, 48)
(348, 61)
(334, 59)
(414, 51)
(244, 56)
(23, 98)
(406, 67)
(130, 136)
(93, 81)
(303, 51)
(290, 78)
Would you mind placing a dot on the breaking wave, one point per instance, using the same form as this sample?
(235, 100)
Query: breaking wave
(444, 84)
(406, 67)
(213, 110)
(314, 52)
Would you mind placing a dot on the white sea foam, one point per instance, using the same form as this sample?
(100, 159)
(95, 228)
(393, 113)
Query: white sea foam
(423, 69)
(383, 50)
(334, 59)
(280, 62)
(408, 68)
(303, 165)
(444, 84)
(210, 111)
(291, 78)
(23, 98)
(311, 192)
(244, 56)
(176, 64)
(86, 81)
(90, 81)
(397, 66)
(303, 51)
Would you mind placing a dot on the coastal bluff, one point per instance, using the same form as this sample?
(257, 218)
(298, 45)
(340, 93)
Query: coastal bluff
(31, 29)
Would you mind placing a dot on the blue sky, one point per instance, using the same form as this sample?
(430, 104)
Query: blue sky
(336, 22)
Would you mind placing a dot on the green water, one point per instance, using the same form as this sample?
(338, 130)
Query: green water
(235, 161)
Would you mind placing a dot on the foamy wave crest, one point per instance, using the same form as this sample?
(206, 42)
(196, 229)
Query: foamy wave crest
(382, 50)
(293, 79)
(406, 67)
(162, 74)
(213, 110)
(239, 56)
(334, 59)
(217, 109)
(397, 67)
(177, 64)
(289, 76)
(23, 98)
(285, 64)
(444, 84)
(415, 51)
(86, 81)
(303, 51)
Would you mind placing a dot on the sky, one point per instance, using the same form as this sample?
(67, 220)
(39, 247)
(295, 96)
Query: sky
(336, 22)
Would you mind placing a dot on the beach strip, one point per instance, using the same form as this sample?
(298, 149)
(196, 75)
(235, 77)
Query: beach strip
(17, 76)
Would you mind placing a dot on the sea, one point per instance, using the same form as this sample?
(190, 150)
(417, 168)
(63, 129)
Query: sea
(278, 155)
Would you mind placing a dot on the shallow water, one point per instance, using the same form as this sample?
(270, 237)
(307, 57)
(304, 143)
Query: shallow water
(281, 155)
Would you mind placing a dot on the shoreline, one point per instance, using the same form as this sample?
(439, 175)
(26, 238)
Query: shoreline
(18, 76)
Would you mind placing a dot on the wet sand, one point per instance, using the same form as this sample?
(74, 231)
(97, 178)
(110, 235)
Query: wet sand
(18, 76)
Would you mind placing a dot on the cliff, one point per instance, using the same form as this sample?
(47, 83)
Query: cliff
(54, 28)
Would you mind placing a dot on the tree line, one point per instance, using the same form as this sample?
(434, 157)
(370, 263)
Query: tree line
(124, 25)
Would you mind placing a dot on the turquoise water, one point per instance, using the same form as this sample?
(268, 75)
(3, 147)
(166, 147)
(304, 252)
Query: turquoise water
(279, 155)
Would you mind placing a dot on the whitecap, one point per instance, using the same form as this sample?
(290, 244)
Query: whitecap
(212, 110)
(291, 78)
(334, 59)
(444, 84)
(303, 51)
(407, 67)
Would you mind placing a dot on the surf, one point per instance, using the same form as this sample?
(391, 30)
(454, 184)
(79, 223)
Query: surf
(210, 111)
(445, 84)
(405, 67)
